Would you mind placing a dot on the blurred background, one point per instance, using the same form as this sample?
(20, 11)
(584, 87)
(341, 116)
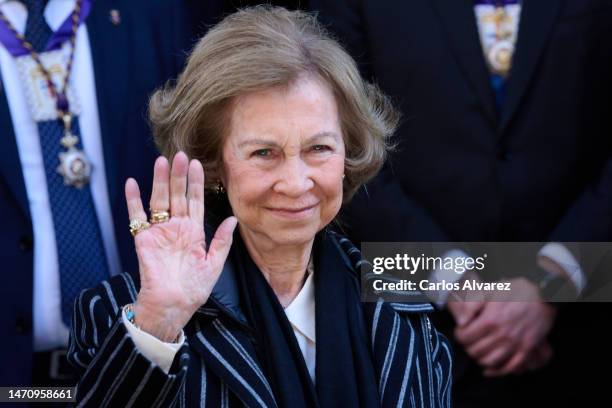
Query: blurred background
(506, 135)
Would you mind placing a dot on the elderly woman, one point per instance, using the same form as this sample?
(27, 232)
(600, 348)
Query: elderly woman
(267, 314)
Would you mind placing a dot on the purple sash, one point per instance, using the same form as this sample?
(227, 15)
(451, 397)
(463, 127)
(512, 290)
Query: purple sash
(16, 49)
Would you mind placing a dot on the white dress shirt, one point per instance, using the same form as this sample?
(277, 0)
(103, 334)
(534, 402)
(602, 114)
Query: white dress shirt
(300, 312)
(49, 330)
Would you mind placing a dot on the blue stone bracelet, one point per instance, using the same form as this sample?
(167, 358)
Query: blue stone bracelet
(129, 313)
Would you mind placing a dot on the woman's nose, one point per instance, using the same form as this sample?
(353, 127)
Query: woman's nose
(294, 178)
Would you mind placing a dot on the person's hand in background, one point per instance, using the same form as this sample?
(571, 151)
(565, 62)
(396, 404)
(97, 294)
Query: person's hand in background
(466, 305)
(509, 336)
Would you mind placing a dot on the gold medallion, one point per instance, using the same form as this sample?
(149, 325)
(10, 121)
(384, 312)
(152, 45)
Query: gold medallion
(74, 165)
(499, 57)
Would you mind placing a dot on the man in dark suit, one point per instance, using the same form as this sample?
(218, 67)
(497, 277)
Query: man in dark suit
(124, 50)
(491, 155)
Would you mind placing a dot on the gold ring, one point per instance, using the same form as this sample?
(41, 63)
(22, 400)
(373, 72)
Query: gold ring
(137, 226)
(158, 216)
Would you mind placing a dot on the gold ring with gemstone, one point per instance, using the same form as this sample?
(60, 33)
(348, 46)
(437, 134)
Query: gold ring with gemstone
(158, 216)
(137, 226)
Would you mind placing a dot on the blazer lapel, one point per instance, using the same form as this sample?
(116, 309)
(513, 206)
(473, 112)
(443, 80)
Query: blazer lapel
(227, 349)
(537, 19)
(10, 165)
(110, 54)
(459, 22)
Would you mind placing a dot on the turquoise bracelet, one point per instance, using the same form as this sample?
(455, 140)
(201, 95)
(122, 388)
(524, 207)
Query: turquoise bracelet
(129, 313)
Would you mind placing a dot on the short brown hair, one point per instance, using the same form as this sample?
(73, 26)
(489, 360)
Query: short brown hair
(258, 48)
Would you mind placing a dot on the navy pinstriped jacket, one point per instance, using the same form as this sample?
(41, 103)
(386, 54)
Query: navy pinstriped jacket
(217, 366)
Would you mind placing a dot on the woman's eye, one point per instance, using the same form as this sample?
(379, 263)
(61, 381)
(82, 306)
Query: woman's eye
(320, 148)
(261, 153)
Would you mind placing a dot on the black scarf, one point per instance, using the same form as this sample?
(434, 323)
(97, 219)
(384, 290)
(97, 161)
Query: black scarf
(345, 375)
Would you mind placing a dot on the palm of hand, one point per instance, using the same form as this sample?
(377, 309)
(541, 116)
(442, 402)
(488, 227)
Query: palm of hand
(173, 264)
(177, 271)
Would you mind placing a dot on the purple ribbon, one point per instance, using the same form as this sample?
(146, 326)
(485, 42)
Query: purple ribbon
(63, 33)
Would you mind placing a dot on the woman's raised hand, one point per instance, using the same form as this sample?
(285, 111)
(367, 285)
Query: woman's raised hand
(177, 272)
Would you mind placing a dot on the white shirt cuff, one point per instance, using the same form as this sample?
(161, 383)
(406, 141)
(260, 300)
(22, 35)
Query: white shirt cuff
(151, 347)
(564, 258)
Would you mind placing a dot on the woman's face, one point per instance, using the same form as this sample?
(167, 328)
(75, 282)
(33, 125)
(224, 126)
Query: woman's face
(284, 162)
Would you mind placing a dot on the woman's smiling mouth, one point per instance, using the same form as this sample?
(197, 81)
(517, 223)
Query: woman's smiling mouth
(293, 212)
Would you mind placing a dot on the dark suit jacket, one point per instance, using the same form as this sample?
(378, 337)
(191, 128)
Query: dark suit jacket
(218, 365)
(130, 60)
(538, 170)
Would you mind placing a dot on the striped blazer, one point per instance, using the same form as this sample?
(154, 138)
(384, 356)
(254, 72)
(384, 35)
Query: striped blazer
(217, 365)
